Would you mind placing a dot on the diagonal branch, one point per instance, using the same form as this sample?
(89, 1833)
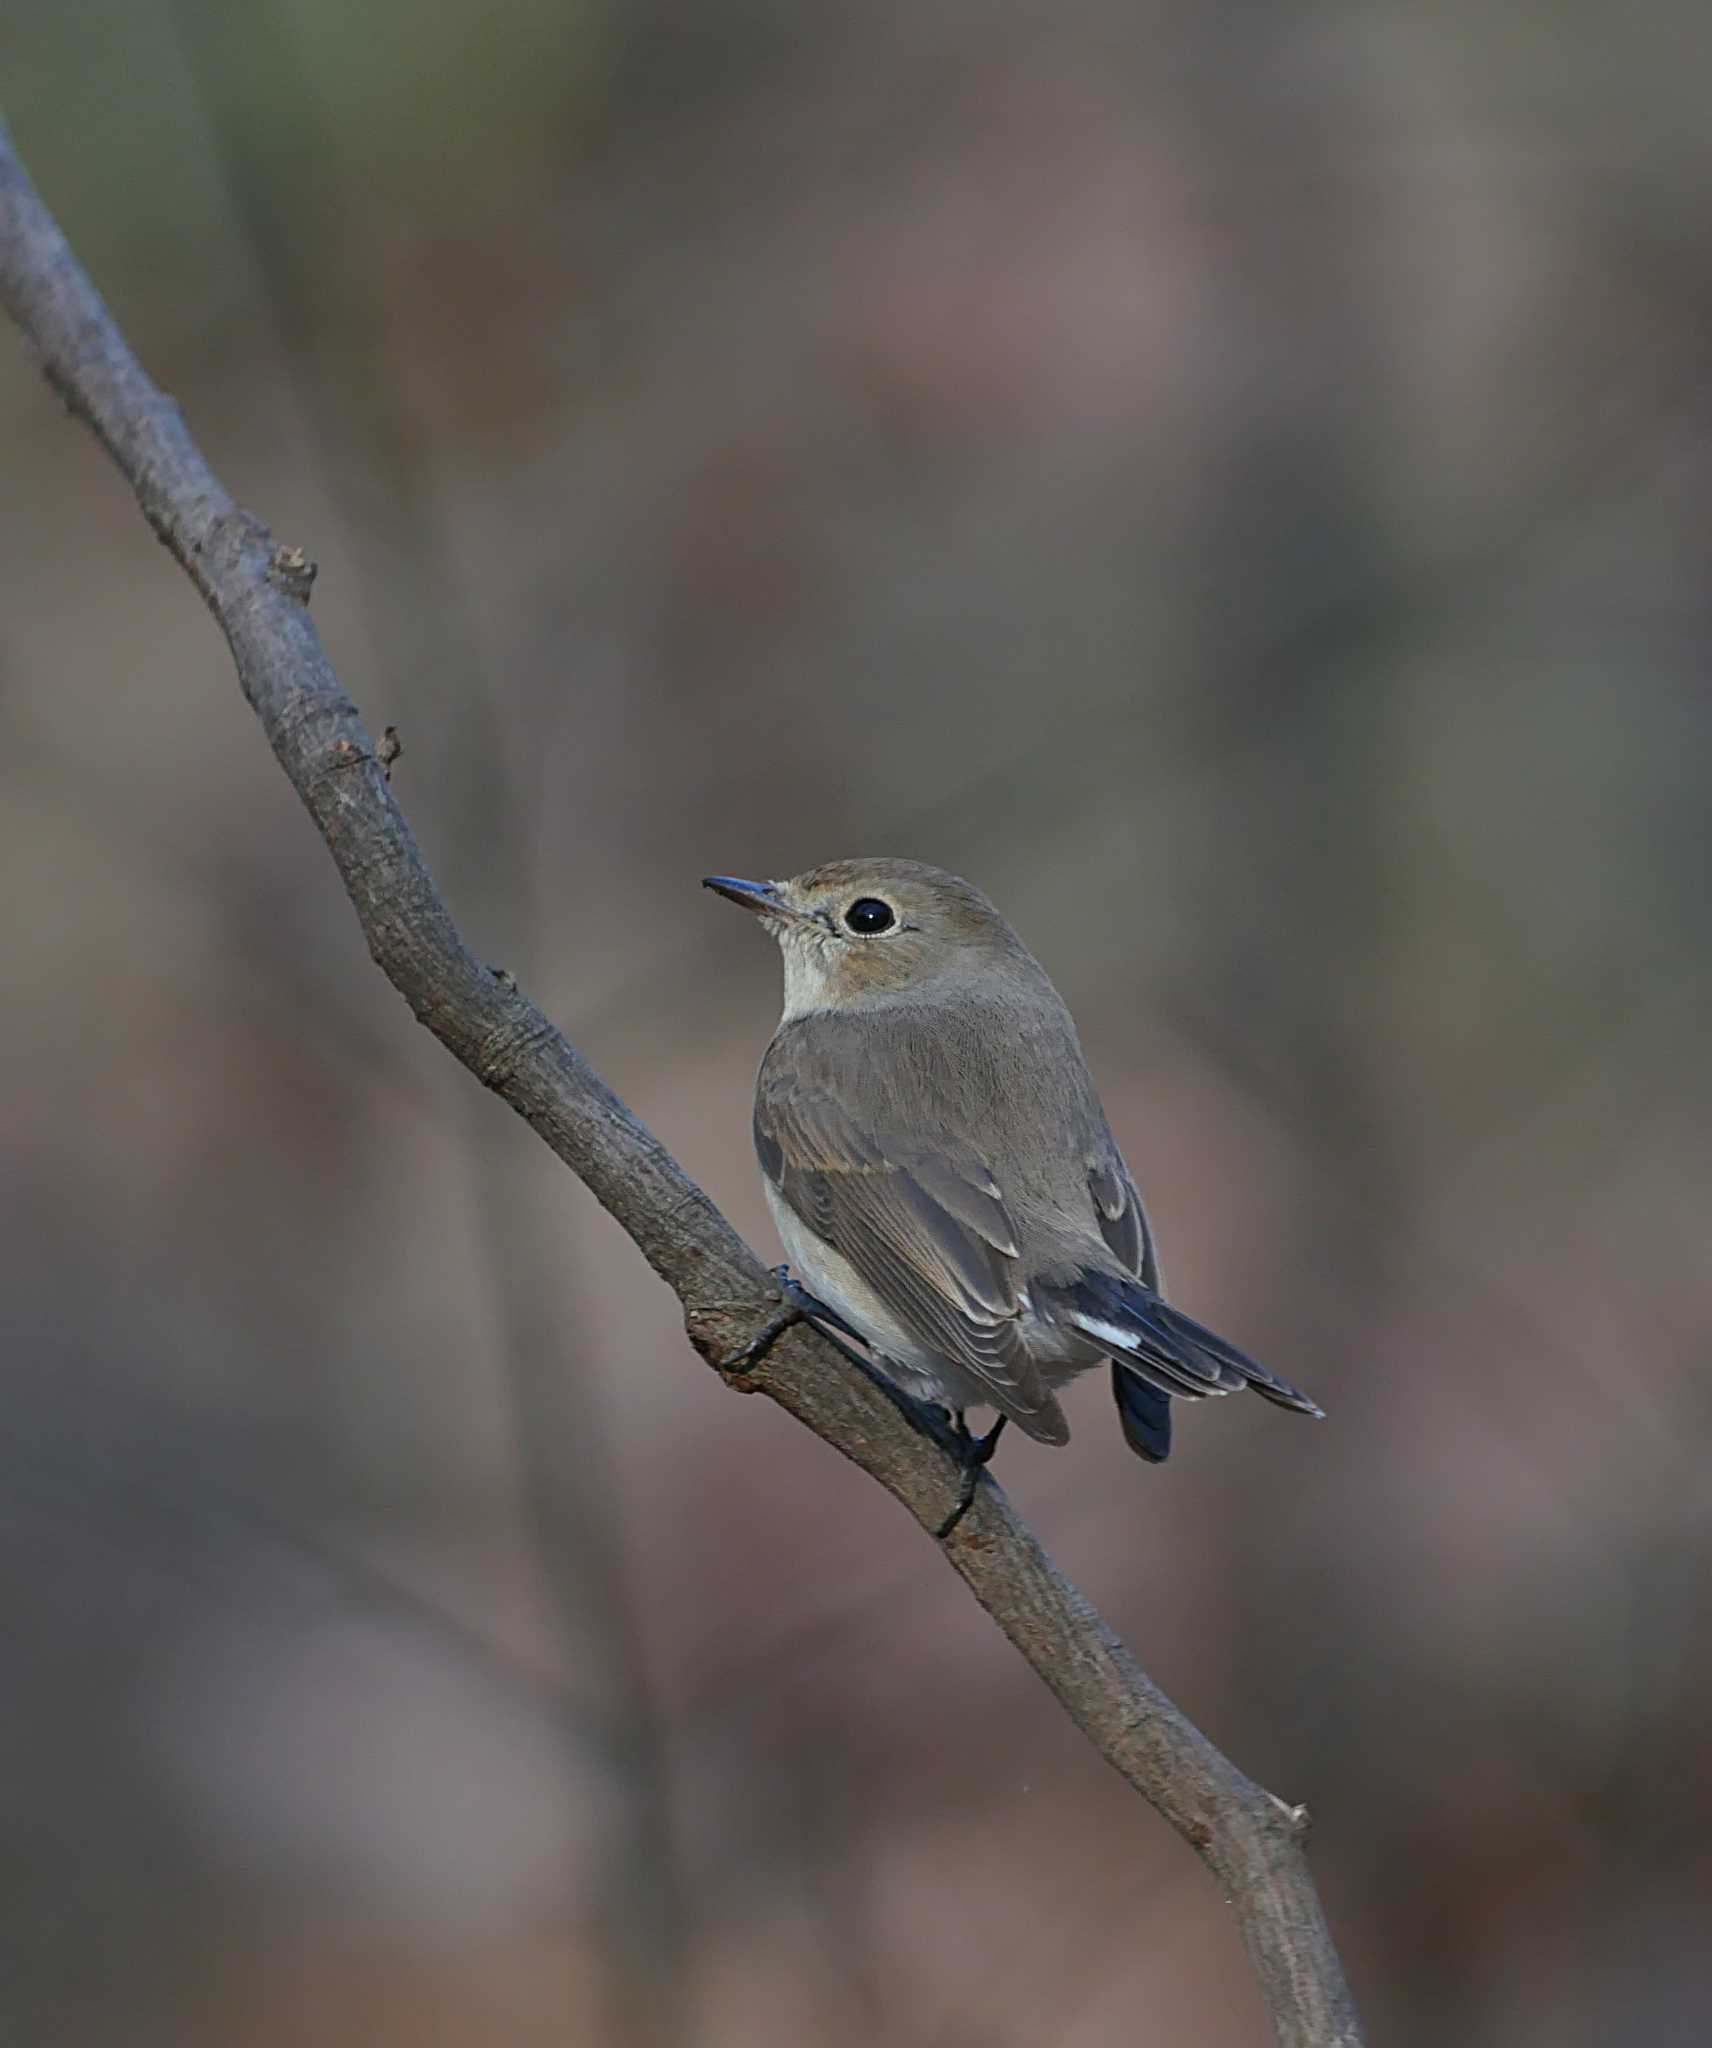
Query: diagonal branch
(259, 592)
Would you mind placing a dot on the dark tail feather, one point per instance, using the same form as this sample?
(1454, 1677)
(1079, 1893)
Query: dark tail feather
(1167, 1348)
(1269, 1385)
(1145, 1414)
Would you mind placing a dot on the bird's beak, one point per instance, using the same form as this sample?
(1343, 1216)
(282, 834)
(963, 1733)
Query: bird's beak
(761, 897)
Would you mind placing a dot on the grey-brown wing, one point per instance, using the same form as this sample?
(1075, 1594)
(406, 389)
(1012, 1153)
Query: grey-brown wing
(1122, 1221)
(1144, 1411)
(923, 1224)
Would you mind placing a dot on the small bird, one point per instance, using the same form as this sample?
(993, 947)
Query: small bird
(942, 1174)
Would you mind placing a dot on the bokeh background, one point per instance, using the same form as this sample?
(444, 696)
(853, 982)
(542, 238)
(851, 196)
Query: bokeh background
(1231, 479)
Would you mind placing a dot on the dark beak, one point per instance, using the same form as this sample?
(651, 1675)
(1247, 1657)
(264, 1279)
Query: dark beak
(756, 896)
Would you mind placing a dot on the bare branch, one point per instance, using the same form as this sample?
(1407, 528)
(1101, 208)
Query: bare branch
(259, 593)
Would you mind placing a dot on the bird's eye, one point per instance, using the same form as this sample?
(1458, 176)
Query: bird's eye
(869, 916)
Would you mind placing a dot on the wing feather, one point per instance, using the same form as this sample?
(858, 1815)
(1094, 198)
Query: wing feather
(1118, 1211)
(923, 1223)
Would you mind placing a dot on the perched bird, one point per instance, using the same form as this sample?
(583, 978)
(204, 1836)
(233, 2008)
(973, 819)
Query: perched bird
(942, 1174)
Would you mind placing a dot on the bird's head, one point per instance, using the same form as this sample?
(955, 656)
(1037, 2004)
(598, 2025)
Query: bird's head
(858, 933)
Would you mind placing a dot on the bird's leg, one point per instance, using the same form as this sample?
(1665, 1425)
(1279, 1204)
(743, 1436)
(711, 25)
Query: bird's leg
(972, 1453)
(796, 1305)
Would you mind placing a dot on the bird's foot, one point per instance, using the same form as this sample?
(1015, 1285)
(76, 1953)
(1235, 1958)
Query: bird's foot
(972, 1453)
(796, 1305)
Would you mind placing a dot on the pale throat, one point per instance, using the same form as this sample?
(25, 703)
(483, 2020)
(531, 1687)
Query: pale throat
(811, 970)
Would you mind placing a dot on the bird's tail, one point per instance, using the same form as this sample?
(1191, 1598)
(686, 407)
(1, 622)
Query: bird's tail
(1145, 1414)
(1164, 1348)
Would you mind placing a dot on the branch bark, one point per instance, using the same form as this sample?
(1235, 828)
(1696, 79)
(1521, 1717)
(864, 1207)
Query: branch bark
(258, 593)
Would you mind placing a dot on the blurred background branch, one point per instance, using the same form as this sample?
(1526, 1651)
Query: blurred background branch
(259, 594)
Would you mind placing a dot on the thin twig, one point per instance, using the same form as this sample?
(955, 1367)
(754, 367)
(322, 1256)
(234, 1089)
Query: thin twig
(259, 593)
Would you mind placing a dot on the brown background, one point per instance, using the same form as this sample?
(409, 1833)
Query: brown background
(1231, 479)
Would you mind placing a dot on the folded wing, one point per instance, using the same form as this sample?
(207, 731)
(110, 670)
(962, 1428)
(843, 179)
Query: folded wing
(924, 1225)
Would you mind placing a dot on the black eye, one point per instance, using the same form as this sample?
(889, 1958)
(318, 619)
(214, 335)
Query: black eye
(869, 915)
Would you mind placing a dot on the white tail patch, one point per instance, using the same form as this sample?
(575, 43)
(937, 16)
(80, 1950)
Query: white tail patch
(1124, 1341)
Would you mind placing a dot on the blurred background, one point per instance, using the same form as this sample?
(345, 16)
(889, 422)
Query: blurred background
(1233, 481)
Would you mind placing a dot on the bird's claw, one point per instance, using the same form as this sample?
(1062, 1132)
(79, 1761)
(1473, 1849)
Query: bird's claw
(796, 1305)
(973, 1453)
